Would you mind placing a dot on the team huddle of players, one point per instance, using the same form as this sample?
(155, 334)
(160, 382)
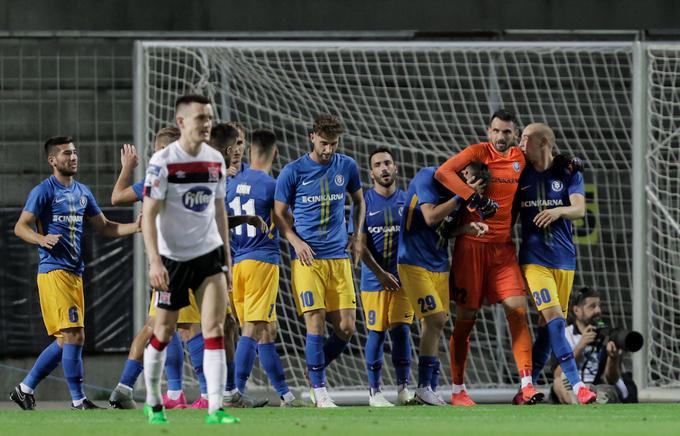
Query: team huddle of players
(401, 238)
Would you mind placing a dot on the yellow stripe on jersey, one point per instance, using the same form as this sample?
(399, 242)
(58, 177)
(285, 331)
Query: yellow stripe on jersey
(411, 209)
(325, 204)
(387, 243)
(72, 222)
(272, 226)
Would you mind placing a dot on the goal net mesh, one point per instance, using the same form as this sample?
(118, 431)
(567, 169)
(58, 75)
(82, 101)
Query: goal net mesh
(427, 102)
(663, 239)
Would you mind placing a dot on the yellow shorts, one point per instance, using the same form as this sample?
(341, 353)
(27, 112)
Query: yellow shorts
(427, 291)
(549, 287)
(327, 284)
(384, 308)
(187, 315)
(256, 285)
(61, 301)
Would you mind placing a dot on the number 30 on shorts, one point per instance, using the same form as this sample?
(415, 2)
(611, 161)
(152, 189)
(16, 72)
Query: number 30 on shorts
(542, 297)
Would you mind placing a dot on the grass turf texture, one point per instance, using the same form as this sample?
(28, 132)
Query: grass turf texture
(612, 419)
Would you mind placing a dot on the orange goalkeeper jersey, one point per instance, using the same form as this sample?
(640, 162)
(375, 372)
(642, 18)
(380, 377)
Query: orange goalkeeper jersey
(505, 172)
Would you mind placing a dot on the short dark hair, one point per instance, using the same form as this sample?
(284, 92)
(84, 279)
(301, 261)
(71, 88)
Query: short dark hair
(379, 150)
(481, 171)
(54, 141)
(327, 126)
(583, 293)
(190, 98)
(223, 135)
(505, 115)
(264, 140)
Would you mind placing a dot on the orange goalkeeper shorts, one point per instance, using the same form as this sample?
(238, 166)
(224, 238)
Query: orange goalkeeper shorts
(484, 271)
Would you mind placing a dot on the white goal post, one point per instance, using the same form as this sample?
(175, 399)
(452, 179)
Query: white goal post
(428, 100)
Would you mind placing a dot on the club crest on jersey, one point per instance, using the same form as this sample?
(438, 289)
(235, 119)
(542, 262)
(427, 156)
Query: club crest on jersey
(557, 185)
(515, 166)
(83, 200)
(213, 174)
(339, 180)
(197, 198)
(401, 210)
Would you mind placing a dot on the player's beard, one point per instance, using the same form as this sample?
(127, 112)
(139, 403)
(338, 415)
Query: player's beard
(385, 183)
(67, 170)
(502, 146)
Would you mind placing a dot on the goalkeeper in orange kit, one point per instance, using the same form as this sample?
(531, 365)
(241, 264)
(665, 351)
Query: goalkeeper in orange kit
(486, 267)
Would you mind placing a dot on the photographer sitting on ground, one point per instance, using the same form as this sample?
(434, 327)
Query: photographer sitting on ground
(597, 355)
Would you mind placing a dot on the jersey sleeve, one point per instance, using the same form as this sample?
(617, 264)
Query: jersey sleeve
(138, 189)
(37, 200)
(447, 174)
(156, 180)
(354, 181)
(285, 186)
(576, 184)
(92, 208)
(221, 191)
(425, 189)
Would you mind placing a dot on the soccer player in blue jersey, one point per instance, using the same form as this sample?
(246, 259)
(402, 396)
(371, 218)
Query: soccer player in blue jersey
(549, 199)
(256, 266)
(56, 208)
(385, 305)
(229, 139)
(423, 265)
(314, 187)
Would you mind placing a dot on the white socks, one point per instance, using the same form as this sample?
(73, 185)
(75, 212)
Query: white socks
(154, 361)
(215, 370)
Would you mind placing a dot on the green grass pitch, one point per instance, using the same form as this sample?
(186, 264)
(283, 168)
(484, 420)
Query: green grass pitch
(642, 419)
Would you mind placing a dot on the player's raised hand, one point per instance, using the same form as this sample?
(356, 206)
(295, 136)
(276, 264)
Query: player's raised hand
(546, 217)
(389, 281)
(49, 241)
(232, 171)
(484, 206)
(128, 156)
(159, 279)
(304, 252)
(257, 222)
(476, 228)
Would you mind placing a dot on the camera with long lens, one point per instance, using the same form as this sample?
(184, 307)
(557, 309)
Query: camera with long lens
(627, 340)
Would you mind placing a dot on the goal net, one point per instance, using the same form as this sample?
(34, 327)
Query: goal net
(663, 195)
(426, 101)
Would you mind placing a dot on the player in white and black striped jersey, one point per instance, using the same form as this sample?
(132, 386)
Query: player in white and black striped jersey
(185, 187)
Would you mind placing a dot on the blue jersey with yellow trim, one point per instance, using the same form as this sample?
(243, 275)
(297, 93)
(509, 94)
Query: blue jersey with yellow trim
(552, 247)
(419, 244)
(59, 210)
(316, 193)
(382, 224)
(251, 192)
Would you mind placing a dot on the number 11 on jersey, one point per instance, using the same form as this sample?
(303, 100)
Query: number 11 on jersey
(247, 208)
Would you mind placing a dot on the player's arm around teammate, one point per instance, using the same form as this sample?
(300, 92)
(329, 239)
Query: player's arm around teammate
(549, 199)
